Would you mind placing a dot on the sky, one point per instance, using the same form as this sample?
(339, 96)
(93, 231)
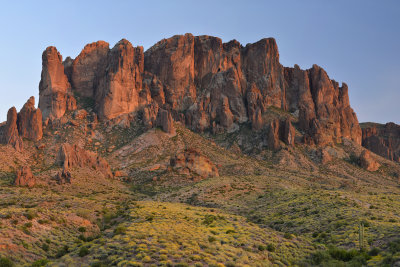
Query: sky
(355, 41)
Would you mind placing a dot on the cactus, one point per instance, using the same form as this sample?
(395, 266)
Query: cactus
(361, 235)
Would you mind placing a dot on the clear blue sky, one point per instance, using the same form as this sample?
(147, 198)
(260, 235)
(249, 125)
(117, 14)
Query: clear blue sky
(356, 41)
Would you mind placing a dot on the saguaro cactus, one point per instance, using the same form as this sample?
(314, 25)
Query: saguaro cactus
(361, 235)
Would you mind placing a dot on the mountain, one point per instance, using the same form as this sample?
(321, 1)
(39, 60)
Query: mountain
(194, 152)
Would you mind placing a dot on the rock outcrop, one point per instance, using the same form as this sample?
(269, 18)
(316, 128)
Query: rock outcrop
(119, 88)
(30, 121)
(70, 156)
(191, 161)
(55, 97)
(10, 133)
(383, 140)
(367, 162)
(25, 177)
(204, 83)
(273, 140)
(64, 177)
(166, 122)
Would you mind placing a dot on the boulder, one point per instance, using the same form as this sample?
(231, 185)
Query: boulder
(30, 121)
(25, 177)
(191, 161)
(367, 162)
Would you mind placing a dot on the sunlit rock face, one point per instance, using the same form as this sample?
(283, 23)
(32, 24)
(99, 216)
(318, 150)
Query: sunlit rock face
(204, 83)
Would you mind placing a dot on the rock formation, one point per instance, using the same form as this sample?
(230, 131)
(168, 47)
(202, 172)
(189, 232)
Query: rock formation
(55, 96)
(273, 135)
(10, 133)
(204, 83)
(30, 121)
(166, 122)
(25, 177)
(119, 88)
(70, 156)
(192, 161)
(288, 132)
(383, 140)
(64, 177)
(367, 162)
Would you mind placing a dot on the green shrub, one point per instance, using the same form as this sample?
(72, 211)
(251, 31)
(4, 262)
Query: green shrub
(288, 236)
(82, 229)
(40, 263)
(45, 247)
(209, 219)
(374, 252)
(120, 230)
(6, 262)
(271, 247)
(64, 250)
(211, 239)
(83, 251)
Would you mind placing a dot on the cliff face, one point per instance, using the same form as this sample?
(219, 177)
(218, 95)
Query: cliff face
(383, 140)
(202, 82)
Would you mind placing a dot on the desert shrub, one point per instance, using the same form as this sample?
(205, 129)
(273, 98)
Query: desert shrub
(209, 219)
(271, 247)
(61, 252)
(45, 247)
(6, 262)
(82, 229)
(394, 246)
(262, 247)
(288, 236)
(211, 239)
(40, 263)
(374, 252)
(30, 214)
(120, 230)
(83, 251)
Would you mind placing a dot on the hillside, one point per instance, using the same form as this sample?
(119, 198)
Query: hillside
(193, 153)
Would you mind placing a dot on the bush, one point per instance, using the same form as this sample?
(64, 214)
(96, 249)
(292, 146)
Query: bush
(83, 251)
(271, 247)
(211, 239)
(120, 230)
(209, 219)
(394, 246)
(40, 263)
(374, 252)
(82, 229)
(288, 236)
(45, 247)
(64, 250)
(6, 262)
(319, 257)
